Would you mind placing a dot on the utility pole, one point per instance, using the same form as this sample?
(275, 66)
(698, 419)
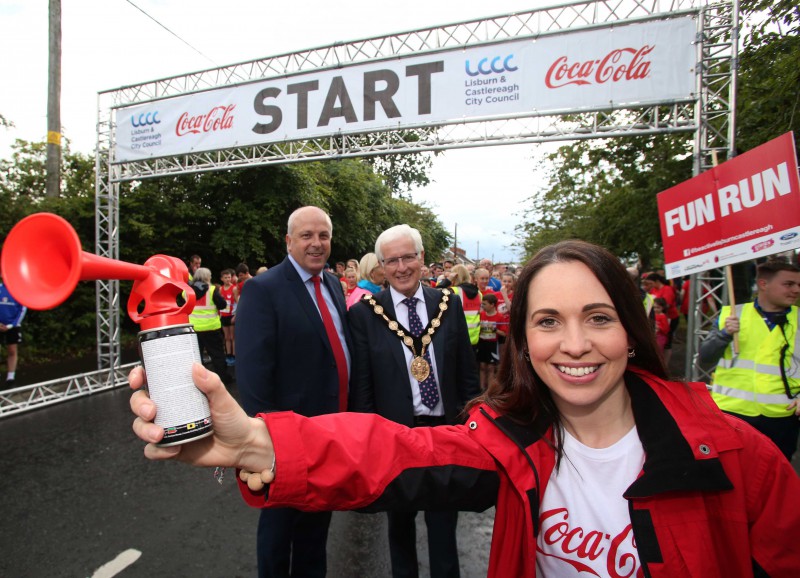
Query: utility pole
(53, 163)
(455, 243)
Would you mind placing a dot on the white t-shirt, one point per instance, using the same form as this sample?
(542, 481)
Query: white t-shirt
(584, 524)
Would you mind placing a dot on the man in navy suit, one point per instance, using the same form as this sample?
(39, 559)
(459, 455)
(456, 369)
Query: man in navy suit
(288, 358)
(412, 363)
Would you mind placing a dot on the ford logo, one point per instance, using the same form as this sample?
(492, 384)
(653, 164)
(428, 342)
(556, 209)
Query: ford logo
(788, 236)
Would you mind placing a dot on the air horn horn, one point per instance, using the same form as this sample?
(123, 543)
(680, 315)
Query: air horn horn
(42, 262)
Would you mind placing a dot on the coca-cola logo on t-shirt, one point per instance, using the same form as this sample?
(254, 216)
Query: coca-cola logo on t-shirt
(587, 551)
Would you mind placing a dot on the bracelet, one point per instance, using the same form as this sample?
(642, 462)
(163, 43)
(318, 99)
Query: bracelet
(256, 482)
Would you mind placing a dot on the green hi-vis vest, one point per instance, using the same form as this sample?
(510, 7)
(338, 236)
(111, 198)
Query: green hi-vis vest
(750, 383)
(472, 311)
(205, 316)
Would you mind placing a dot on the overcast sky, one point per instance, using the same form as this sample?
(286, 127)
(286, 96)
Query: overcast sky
(110, 43)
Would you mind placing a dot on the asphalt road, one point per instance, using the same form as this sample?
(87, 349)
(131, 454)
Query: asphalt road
(78, 499)
(77, 493)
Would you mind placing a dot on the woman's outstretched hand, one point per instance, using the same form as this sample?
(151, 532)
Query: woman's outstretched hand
(237, 441)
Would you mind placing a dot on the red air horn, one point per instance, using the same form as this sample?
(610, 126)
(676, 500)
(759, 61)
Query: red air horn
(42, 263)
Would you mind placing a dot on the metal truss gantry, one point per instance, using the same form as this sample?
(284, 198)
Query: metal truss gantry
(530, 128)
(714, 141)
(710, 118)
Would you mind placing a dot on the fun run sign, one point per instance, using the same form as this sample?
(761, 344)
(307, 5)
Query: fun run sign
(745, 208)
(629, 65)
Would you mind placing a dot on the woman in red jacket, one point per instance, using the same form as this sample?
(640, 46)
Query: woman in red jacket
(595, 462)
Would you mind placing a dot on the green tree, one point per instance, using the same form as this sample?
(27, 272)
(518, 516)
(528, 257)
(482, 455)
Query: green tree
(605, 192)
(435, 238)
(402, 172)
(768, 103)
(240, 215)
(227, 217)
(70, 327)
(236, 216)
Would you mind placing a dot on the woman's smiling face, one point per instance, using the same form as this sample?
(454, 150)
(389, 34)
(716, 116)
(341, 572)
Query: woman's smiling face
(576, 341)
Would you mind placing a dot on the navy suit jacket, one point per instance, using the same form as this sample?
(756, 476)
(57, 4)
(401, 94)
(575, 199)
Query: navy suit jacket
(284, 360)
(379, 382)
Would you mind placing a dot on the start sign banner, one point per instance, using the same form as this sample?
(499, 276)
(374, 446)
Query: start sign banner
(637, 64)
(745, 208)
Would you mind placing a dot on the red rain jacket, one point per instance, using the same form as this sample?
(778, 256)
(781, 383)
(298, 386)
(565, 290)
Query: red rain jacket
(715, 497)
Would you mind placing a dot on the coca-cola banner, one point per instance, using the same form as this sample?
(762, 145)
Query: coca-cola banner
(745, 208)
(636, 64)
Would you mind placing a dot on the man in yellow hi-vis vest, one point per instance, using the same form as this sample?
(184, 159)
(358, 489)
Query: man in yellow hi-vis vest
(761, 383)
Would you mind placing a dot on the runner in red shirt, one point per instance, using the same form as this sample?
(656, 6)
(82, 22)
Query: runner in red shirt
(226, 316)
(658, 286)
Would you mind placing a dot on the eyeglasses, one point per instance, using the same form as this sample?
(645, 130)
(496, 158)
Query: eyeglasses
(393, 262)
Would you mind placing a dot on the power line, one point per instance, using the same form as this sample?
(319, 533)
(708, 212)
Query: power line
(171, 32)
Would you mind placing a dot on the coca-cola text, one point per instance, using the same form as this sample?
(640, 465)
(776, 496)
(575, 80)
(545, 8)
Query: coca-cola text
(580, 548)
(218, 118)
(617, 65)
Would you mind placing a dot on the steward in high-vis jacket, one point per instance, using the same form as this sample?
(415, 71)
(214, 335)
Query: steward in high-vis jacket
(648, 300)
(206, 321)
(714, 499)
(760, 383)
(471, 302)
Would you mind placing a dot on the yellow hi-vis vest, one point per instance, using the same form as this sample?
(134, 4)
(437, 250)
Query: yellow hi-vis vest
(750, 383)
(205, 316)
(472, 311)
(648, 301)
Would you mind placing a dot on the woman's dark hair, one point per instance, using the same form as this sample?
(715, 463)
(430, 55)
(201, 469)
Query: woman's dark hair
(518, 392)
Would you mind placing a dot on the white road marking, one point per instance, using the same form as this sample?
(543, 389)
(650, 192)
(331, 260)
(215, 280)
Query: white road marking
(118, 564)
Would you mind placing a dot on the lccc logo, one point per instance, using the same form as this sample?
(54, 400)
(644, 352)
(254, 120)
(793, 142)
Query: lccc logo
(497, 65)
(145, 119)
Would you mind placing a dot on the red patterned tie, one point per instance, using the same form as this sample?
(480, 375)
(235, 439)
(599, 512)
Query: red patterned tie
(336, 344)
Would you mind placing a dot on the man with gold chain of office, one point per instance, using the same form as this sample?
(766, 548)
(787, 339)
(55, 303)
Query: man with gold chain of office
(413, 364)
